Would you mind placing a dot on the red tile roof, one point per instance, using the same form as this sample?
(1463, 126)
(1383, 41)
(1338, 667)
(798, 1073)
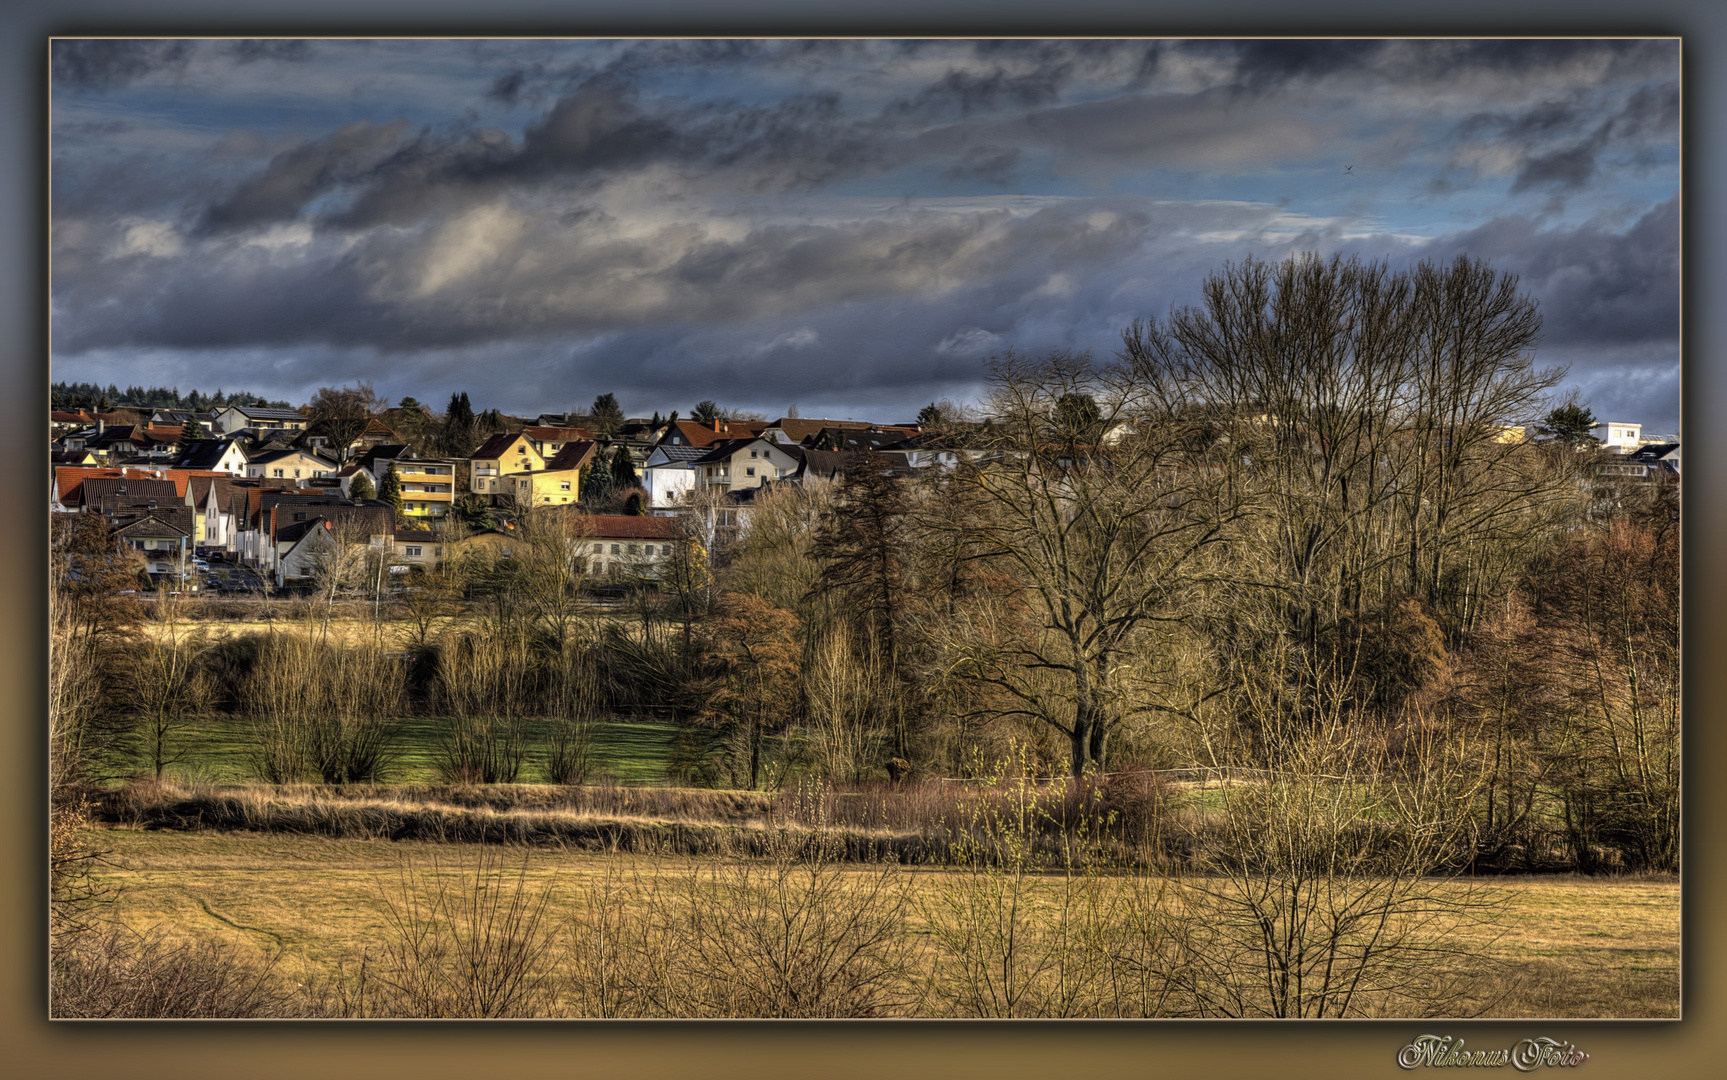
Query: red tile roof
(625, 527)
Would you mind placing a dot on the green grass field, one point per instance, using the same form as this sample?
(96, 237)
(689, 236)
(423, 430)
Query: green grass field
(220, 750)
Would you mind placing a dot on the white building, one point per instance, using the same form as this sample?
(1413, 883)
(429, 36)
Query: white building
(1621, 438)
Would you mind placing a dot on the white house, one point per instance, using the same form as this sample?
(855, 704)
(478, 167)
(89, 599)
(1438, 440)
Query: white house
(1619, 437)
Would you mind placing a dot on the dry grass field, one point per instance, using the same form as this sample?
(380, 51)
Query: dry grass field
(1565, 946)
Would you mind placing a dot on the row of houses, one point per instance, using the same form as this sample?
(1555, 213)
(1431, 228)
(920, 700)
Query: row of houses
(174, 516)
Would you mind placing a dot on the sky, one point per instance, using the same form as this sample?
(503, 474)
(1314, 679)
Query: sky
(845, 228)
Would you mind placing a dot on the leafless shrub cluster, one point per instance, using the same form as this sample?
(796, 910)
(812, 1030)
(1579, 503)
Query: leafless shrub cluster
(466, 940)
(322, 708)
(115, 972)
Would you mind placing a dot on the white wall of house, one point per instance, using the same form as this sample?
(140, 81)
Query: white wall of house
(1618, 435)
(668, 483)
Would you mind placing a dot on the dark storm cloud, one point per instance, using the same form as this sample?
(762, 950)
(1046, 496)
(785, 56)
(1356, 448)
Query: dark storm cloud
(1596, 286)
(1268, 67)
(966, 92)
(108, 64)
(295, 177)
(501, 275)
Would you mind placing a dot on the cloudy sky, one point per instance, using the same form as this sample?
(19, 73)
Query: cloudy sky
(850, 227)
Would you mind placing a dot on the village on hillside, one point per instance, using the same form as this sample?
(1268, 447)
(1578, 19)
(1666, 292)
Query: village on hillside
(211, 494)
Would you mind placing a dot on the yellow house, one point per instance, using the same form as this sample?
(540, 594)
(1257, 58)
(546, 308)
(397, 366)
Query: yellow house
(499, 456)
(557, 482)
(428, 487)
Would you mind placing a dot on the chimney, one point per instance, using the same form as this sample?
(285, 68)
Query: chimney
(101, 426)
(716, 425)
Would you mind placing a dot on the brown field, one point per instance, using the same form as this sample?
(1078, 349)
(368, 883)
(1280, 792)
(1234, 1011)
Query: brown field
(1567, 946)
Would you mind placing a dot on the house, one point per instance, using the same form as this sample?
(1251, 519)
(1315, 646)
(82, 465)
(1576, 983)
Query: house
(306, 545)
(417, 547)
(375, 433)
(793, 429)
(212, 500)
(1617, 436)
(108, 495)
(548, 440)
(288, 464)
(428, 485)
(668, 475)
(163, 534)
(558, 483)
(499, 455)
(231, 419)
(856, 438)
(1663, 456)
(73, 457)
(743, 463)
(213, 455)
(691, 433)
(617, 546)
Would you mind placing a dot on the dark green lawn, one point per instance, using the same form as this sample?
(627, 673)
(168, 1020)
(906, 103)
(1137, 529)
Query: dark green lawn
(220, 750)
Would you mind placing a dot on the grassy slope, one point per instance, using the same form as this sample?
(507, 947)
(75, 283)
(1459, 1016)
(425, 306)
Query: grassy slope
(219, 750)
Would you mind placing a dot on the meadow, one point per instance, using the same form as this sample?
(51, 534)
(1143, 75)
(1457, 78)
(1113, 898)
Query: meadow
(311, 906)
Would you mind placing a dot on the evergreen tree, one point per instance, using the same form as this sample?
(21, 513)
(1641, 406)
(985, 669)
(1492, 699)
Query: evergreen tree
(192, 431)
(390, 490)
(360, 487)
(1570, 424)
(606, 416)
(930, 416)
(623, 470)
(705, 412)
(474, 512)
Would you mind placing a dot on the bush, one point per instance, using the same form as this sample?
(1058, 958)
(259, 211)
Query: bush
(121, 973)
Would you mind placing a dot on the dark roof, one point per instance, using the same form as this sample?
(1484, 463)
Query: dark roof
(573, 456)
(1654, 451)
(681, 453)
(554, 433)
(847, 438)
(495, 446)
(723, 451)
(253, 412)
(119, 492)
(798, 429)
(203, 453)
(161, 521)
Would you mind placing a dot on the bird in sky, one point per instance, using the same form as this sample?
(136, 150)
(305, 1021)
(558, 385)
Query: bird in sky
(1347, 168)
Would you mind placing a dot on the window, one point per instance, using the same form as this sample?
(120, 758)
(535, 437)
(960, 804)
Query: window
(278, 472)
(412, 551)
(564, 485)
(649, 549)
(614, 549)
(299, 517)
(752, 453)
(599, 548)
(296, 474)
(751, 471)
(635, 549)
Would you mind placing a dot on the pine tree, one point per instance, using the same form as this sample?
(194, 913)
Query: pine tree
(623, 471)
(606, 416)
(192, 431)
(390, 490)
(360, 487)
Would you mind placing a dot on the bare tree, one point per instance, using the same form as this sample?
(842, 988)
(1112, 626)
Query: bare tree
(1101, 539)
(342, 414)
